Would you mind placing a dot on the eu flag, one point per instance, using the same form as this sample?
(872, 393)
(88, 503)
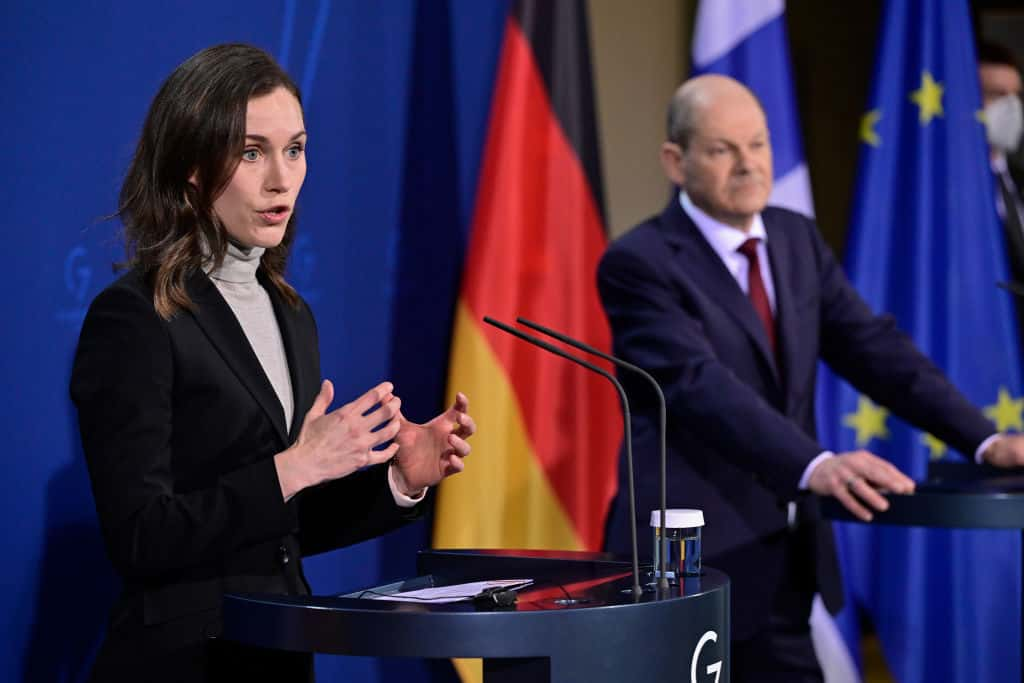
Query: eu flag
(925, 244)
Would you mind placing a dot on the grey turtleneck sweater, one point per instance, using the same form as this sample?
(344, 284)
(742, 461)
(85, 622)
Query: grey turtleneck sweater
(237, 283)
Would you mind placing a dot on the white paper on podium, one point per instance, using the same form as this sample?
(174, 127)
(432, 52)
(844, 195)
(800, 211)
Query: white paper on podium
(452, 593)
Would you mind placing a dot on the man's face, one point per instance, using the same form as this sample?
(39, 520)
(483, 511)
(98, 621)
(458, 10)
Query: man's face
(727, 167)
(998, 80)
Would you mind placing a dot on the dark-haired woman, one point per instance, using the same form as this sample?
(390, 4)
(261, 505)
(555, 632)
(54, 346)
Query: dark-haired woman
(215, 461)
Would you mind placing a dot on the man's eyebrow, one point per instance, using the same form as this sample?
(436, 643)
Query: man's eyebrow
(722, 141)
(728, 142)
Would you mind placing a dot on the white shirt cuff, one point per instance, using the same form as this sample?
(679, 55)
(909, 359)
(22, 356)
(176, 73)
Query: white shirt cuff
(806, 477)
(980, 453)
(402, 500)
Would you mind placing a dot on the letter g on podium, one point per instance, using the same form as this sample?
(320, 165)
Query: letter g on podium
(715, 668)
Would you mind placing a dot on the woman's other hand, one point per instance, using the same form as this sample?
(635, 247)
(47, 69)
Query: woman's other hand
(427, 453)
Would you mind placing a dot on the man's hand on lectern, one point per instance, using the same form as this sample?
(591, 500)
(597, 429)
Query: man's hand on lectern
(1006, 451)
(856, 478)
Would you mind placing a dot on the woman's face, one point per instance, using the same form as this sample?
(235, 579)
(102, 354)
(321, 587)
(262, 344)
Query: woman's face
(260, 197)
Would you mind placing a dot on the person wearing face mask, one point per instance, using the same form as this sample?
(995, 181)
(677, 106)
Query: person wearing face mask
(215, 458)
(1001, 89)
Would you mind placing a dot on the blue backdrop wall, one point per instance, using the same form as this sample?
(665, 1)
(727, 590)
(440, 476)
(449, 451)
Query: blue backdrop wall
(396, 98)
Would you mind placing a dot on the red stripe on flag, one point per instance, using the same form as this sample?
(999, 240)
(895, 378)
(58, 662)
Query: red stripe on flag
(536, 240)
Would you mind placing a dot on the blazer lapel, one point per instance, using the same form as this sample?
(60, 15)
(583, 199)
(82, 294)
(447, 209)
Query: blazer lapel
(297, 349)
(705, 267)
(221, 327)
(788, 336)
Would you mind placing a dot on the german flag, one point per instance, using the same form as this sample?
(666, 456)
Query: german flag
(543, 469)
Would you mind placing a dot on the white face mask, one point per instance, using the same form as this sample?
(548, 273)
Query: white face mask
(1004, 123)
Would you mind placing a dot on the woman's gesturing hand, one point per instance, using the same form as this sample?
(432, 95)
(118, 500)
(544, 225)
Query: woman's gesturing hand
(430, 452)
(335, 444)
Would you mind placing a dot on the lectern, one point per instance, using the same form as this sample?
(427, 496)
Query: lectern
(578, 622)
(958, 496)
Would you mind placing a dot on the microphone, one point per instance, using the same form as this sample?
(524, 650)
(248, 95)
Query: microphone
(663, 580)
(1014, 288)
(495, 596)
(636, 590)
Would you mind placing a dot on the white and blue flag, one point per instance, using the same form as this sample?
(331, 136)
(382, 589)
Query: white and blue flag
(747, 41)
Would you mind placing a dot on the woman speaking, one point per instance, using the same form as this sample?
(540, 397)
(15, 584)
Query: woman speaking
(215, 459)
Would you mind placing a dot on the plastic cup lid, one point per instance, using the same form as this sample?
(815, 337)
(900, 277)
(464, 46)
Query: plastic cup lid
(678, 519)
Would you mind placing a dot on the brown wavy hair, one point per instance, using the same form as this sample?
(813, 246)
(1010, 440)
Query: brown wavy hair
(195, 128)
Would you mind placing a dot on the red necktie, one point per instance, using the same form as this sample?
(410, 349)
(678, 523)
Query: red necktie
(755, 289)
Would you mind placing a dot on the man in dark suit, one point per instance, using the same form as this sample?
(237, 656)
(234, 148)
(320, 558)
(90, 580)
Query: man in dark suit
(731, 305)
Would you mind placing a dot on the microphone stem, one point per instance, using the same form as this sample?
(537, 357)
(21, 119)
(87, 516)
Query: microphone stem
(637, 591)
(624, 402)
(662, 422)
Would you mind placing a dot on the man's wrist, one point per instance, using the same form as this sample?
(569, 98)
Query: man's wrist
(979, 454)
(805, 478)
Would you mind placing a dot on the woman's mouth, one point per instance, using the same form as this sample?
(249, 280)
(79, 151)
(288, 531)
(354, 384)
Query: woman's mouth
(274, 214)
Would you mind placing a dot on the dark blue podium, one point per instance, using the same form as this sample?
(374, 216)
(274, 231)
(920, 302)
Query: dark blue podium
(955, 495)
(577, 623)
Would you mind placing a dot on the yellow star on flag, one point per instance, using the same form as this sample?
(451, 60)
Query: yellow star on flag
(1007, 412)
(868, 421)
(936, 448)
(868, 134)
(928, 98)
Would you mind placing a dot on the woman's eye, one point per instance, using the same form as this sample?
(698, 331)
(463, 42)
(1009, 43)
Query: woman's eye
(294, 152)
(251, 154)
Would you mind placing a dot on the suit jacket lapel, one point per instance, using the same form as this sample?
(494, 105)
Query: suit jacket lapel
(221, 327)
(787, 326)
(705, 267)
(297, 348)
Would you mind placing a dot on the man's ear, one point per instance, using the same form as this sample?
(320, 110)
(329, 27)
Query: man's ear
(671, 156)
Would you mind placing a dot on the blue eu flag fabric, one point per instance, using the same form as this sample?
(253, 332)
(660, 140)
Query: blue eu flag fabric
(925, 244)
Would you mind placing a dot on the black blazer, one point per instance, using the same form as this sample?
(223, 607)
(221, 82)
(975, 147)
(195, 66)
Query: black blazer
(741, 422)
(179, 426)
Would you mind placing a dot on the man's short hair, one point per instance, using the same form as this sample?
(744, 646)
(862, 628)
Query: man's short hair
(682, 118)
(995, 53)
(683, 112)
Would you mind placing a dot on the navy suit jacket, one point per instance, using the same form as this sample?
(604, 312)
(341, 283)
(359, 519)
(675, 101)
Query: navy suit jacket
(741, 426)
